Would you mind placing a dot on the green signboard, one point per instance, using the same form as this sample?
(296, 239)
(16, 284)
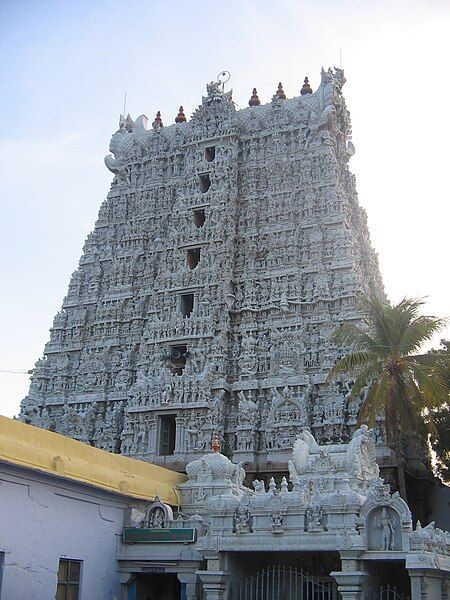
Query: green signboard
(132, 535)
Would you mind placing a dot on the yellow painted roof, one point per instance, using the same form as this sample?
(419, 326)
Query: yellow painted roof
(42, 450)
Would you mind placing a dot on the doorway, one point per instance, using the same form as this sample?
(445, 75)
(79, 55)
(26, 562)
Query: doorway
(157, 586)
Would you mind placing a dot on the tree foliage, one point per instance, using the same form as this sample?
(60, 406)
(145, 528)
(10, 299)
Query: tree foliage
(383, 356)
(440, 439)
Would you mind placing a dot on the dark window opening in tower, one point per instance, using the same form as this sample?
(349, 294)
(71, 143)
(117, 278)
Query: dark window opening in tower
(167, 427)
(210, 153)
(186, 304)
(199, 217)
(176, 360)
(205, 182)
(192, 257)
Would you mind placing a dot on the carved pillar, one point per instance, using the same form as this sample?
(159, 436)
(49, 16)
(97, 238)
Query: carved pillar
(128, 585)
(416, 585)
(214, 584)
(350, 584)
(352, 580)
(152, 435)
(428, 584)
(187, 581)
(179, 435)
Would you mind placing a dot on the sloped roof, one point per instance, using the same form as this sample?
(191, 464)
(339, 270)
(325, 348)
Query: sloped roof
(48, 452)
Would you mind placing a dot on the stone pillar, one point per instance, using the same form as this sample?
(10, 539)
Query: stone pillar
(187, 581)
(214, 584)
(352, 580)
(350, 584)
(429, 584)
(179, 436)
(152, 436)
(128, 586)
(446, 588)
(416, 586)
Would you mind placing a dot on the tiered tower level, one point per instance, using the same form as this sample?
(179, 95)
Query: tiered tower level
(227, 251)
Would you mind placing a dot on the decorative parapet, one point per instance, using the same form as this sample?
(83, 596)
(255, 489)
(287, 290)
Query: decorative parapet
(430, 539)
(211, 477)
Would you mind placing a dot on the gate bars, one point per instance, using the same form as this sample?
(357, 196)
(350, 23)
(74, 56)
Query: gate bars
(284, 583)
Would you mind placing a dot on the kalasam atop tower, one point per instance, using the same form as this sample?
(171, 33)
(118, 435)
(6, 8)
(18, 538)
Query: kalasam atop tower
(227, 251)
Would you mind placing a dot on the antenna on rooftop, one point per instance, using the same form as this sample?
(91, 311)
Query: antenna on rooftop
(340, 58)
(222, 78)
(124, 103)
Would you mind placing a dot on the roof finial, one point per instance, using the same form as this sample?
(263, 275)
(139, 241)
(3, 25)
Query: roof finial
(306, 89)
(254, 100)
(215, 444)
(158, 121)
(280, 92)
(181, 117)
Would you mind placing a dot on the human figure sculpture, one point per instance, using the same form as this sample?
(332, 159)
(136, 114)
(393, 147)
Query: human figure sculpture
(303, 444)
(387, 526)
(242, 521)
(258, 486)
(314, 515)
(156, 519)
(276, 522)
(361, 456)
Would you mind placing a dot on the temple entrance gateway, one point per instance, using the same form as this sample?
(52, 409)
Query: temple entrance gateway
(333, 532)
(157, 586)
(284, 583)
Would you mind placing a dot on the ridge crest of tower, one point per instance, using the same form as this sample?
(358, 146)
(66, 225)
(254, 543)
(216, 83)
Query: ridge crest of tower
(313, 101)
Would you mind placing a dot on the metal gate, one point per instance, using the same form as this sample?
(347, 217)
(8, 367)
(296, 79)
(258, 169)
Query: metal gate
(389, 593)
(284, 583)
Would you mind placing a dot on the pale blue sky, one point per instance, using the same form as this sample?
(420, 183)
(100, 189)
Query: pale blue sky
(66, 65)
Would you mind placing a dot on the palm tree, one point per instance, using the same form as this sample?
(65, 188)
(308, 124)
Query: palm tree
(384, 360)
(440, 438)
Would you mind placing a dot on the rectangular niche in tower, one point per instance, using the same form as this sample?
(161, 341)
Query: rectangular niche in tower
(192, 257)
(205, 182)
(199, 217)
(210, 153)
(177, 359)
(167, 427)
(186, 304)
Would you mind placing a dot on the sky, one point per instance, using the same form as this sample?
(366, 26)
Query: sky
(66, 66)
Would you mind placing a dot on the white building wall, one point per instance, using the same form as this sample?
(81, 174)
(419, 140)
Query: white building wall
(44, 518)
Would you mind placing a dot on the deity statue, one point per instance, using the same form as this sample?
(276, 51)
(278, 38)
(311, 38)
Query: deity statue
(242, 521)
(304, 442)
(276, 522)
(361, 455)
(213, 89)
(258, 486)
(387, 526)
(314, 515)
(156, 518)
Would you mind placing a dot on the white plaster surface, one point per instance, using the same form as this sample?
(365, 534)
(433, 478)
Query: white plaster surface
(43, 519)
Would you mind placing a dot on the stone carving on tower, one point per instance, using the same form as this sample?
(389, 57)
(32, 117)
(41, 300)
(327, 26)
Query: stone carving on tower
(228, 249)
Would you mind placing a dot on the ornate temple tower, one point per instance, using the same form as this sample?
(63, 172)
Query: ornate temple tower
(227, 251)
